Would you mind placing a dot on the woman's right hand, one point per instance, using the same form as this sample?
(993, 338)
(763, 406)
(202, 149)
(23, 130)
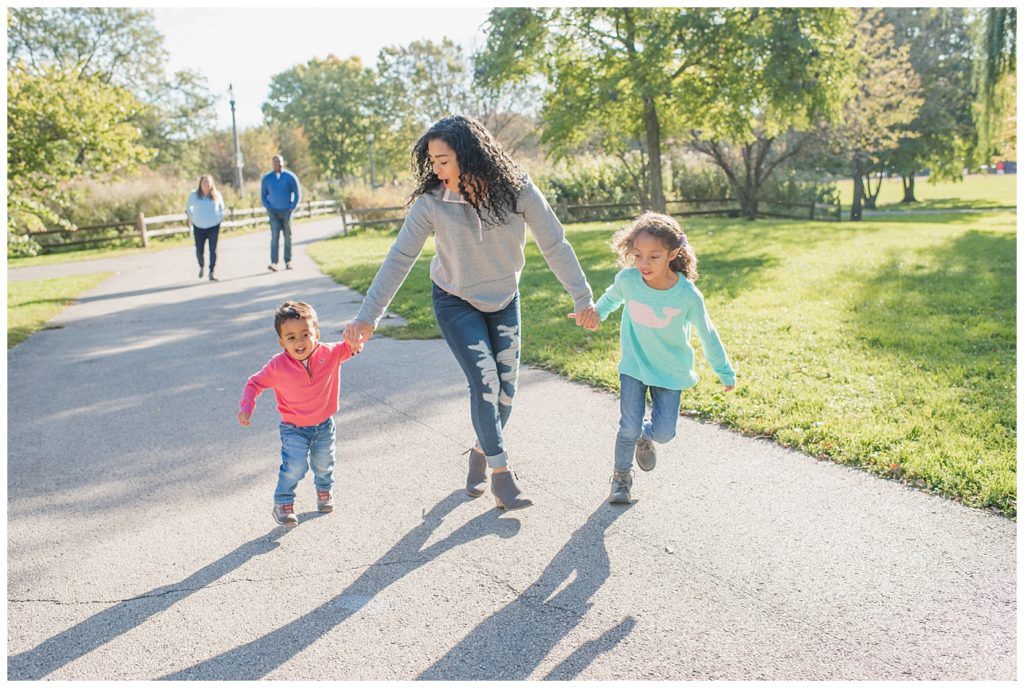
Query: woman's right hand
(357, 333)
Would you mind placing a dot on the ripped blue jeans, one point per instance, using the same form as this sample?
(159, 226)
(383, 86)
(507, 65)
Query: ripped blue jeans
(486, 345)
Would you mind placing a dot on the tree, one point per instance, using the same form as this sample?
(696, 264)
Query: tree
(119, 47)
(995, 79)
(62, 124)
(941, 53)
(430, 80)
(335, 102)
(627, 79)
(790, 71)
(425, 81)
(883, 105)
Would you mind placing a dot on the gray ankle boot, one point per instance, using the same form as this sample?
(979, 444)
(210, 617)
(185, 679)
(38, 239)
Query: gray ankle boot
(476, 480)
(506, 493)
(622, 482)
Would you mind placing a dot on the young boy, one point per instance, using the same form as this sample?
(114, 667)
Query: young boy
(304, 378)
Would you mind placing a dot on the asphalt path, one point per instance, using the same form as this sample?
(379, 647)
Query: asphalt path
(141, 545)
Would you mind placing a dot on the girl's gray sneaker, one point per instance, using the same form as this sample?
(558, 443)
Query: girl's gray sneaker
(506, 493)
(285, 515)
(622, 482)
(476, 480)
(646, 454)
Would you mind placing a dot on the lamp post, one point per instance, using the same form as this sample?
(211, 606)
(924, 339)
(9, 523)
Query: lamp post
(238, 149)
(369, 140)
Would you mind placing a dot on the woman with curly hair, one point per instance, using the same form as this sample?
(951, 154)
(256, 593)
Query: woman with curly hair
(477, 202)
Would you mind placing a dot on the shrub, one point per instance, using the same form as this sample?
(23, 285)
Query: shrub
(360, 195)
(691, 181)
(21, 246)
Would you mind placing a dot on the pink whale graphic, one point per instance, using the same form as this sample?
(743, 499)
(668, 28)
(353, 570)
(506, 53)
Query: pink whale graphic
(642, 314)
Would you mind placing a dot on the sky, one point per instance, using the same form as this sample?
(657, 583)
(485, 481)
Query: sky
(245, 47)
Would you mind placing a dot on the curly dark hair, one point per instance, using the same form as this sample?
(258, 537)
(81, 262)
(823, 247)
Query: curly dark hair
(668, 232)
(294, 310)
(485, 168)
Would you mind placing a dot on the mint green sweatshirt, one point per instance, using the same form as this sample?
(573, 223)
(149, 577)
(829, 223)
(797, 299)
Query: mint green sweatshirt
(655, 332)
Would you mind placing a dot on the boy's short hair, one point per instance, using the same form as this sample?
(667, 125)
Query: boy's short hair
(294, 310)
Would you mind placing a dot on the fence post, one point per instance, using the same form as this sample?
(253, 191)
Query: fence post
(839, 211)
(309, 208)
(344, 224)
(813, 201)
(142, 230)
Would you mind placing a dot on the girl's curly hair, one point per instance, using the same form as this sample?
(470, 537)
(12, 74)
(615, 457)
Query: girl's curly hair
(665, 229)
(485, 168)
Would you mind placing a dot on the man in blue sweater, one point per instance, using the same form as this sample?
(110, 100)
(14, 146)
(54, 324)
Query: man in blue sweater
(280, 193)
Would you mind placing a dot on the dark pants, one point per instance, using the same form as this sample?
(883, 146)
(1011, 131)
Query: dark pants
(486, 345)
(202, 236)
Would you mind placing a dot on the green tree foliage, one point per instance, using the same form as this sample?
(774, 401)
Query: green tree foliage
(119, 47)
(62, 124)
(883, 105)
(941, 52)
(425, 81)
(337, 104)
(995, 81)
(628, 79)
(430, 79)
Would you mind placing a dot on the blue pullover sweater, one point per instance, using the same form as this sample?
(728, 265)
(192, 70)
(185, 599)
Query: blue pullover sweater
(280, 192)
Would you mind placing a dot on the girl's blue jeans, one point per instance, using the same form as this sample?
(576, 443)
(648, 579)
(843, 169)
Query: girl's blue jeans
(632, 406)
(486, 345)
(302, 447)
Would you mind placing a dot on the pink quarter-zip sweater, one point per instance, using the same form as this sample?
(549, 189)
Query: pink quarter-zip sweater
(303, 397)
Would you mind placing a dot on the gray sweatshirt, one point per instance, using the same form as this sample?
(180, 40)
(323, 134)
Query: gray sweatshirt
(478, 263)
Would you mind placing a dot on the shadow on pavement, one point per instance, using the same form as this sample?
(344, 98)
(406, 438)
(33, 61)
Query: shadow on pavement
(258, 658)
(103, 627)
(515, 640)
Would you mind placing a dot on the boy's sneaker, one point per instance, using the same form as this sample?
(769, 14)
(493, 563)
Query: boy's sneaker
(324, 501)
(285, 515)
(622, 481)
(646, 454)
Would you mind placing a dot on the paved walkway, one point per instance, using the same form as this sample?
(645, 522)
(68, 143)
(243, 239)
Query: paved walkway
(141, 546)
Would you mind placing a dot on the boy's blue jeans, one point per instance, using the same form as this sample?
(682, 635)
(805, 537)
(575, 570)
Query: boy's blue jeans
(632, 405)
(309, 446)
(486, 345)
(280, 221)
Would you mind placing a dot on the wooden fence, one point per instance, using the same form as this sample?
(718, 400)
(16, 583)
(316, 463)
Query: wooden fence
(144, 228)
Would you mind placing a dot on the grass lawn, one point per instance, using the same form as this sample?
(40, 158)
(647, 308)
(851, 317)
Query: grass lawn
(30, 304)
(975, 191)
(887, 344)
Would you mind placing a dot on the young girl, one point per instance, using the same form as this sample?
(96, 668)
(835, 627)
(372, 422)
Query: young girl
(205, 210)
(661, 303)
(477, 202)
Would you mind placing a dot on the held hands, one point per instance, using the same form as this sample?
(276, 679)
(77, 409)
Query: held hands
(243, 418)
(587, 318)
(357, 333)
